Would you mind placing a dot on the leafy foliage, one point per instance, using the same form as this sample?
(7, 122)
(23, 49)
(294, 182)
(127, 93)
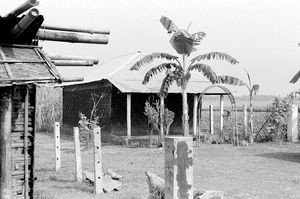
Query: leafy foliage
(225, 79)
(159, 68)
(149, 58)
(215, 55)
(206, 71)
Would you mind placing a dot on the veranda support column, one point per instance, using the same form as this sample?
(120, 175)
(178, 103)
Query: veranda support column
(245, 120)
(128, 115)
(211, 119)
(57, 146)
(5, 144)
(98, 180)
(195, 114)
(221, 112)
(162, 105)
(178, 167)
(292, 133)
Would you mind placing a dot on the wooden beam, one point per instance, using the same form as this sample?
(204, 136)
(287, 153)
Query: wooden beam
(195, 114)
(5, 143)
(221, 113)
(72, 79)
(98, 177)
(63, 57)
(292, 123)
(26, 105)
(128, 99)
(76, 29)
(78, 166)
(161, 115)
(73, 37)
(211, 119)
(73, 62)
(179, 167)
(57, 147)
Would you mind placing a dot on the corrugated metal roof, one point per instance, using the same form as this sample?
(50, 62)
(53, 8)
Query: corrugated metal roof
(118, 72)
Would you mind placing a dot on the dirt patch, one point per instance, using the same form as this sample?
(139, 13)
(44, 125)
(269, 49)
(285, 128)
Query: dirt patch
(259, 171)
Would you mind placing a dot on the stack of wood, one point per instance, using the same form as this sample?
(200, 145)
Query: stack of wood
(28, 28)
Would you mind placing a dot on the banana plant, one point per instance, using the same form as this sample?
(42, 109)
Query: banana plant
(179, 71)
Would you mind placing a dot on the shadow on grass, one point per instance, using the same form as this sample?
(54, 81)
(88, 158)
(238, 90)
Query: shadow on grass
(83, 187)
(291, 157)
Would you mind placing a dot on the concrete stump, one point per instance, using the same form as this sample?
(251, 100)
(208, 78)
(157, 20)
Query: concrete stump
(178, 167)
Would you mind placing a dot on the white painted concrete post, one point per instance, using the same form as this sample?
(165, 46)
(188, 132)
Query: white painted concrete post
(78, 166)
(221, 113)
(178, 167)
(292, 133)
(195, 114)
(128, 115)
(245, 120)
(211, 119)
(57, 147)
(98, 180)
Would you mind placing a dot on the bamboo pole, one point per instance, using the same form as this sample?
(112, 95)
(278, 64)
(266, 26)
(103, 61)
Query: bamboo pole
(26, 141)
(5, 144)
(23, 7)
(78, 166)
(57, 147)
(73, 62)
(73, 37)
(162, 105)
(72, 79)
(98, 180)
(178, 167)
(20, 27)
(62, 57)
(76, 29)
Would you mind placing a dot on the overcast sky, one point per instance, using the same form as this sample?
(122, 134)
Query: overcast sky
(262, 34)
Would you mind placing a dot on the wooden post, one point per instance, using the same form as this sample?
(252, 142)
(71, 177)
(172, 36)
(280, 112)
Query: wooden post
(97, 161)
(57, 147)
(162, 105)
(245, 120)
(195, 114)
(178, 167)
(211, 119)
(221, 113)
(128, 115)
(292, 133)
(5, 143)
(78, 167)
(26, 104)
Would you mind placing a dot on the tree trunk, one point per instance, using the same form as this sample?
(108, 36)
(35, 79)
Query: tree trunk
(185, 116)
(251, 120)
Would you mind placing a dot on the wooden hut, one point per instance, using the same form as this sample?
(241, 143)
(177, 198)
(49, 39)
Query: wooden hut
(22, 67)
(121, 111)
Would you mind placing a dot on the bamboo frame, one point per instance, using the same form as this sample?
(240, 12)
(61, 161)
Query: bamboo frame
(26, 104)
(6, 66)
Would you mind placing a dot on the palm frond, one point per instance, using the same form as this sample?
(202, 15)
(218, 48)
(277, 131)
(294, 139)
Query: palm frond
(206, 71)
(295, 78)
(255, 89)
(157, 69)
(168, 24)
(167, 82)
(149, 58)
(215, 55)
(230, 80)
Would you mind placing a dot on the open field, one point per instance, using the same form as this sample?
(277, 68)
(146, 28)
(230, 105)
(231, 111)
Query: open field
(266, 171)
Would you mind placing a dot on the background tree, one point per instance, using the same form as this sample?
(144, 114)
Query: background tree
(253, 90)
(180, 72)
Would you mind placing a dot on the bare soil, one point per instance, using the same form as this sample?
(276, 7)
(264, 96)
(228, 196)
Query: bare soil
(266, 171)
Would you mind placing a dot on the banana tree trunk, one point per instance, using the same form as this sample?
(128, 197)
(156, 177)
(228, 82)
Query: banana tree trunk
(251, 121)
(185, 116)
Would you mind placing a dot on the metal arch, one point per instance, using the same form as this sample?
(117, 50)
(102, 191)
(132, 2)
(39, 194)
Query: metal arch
(233, 104)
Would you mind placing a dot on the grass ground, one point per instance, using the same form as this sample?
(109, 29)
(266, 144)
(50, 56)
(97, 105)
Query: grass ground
(266, 171)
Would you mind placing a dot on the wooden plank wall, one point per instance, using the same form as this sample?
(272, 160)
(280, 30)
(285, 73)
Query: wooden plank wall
(17, 142)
